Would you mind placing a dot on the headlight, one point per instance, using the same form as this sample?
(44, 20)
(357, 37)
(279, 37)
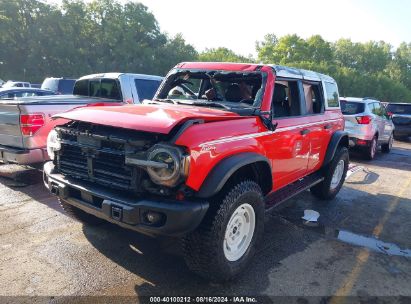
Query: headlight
(168, 165)
(53, 143)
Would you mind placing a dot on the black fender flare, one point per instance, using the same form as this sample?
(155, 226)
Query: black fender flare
(221, 172)
(337, 139)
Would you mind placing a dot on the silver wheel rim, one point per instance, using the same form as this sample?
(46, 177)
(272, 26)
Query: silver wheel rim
(373, 147)
(391, 141)
(338, 173)
(239, 232)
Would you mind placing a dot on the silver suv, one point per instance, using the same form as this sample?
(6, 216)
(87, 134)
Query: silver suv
(368, 125)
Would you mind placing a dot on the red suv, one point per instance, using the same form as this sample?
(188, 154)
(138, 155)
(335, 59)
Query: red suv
(218, 146)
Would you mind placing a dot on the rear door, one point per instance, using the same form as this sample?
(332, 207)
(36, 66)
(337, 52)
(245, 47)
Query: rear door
(378, 111)
(388, 124)
(319, 128)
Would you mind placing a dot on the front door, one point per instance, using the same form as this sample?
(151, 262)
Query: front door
(289, 145)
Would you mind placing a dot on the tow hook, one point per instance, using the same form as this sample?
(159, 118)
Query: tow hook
(54, 189)
(116, 213)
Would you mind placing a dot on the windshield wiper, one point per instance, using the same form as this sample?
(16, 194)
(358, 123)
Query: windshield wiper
(166, 100)
(211, 104)
(194, 103)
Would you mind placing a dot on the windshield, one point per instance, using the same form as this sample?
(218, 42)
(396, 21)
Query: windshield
(351, 108)
(399, 109)
(224, 89)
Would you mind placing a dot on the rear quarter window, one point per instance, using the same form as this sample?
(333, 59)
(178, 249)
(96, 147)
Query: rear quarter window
(332, 95)
(146, 88)
(351, 108)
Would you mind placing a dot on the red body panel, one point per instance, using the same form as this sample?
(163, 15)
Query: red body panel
(292, 155)
(150, 118)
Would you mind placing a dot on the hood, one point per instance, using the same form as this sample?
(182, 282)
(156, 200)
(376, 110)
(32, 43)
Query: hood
(149, 118)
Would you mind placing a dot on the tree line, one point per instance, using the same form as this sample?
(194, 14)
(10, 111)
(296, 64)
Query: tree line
(75, 38)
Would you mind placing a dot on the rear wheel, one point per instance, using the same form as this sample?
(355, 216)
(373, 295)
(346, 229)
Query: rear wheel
(334, 176)
(372, 149)
(225, 242)
(79, 214)
(386, 148)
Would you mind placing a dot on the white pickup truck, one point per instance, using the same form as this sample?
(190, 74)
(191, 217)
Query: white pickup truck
(26, 122)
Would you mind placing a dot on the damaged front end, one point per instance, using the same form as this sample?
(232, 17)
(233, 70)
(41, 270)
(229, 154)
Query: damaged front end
(133, 161)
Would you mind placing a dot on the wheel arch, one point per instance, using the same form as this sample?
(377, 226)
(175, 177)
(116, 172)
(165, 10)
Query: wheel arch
(255, 166)
(338, 139)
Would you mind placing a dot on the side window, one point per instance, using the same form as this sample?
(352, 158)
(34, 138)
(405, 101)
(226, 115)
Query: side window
(16, 95)
(313, 98)
(332, 94)
(146, 88)
(377, 109)
(286, 99)
(29, 94)
(6, 96)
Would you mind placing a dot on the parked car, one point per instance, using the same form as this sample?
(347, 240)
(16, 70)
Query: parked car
(13, 93)
(219, 145)
(401, 117)
(26, 122)
(16, 84)
(368, 125)
(60, 85)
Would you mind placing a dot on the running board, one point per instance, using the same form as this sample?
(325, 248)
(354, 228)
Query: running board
(277, 198)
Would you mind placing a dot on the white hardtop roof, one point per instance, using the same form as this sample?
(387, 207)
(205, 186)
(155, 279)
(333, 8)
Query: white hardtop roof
(358, 99)
(117, 75)
(288, 72)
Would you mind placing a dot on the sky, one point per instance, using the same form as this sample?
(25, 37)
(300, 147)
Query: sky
(238, 24)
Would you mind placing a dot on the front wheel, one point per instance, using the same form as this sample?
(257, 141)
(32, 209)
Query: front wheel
(334, 176)
(225, 242)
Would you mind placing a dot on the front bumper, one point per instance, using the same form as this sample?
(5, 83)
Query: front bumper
(178, 217)
(22, 156)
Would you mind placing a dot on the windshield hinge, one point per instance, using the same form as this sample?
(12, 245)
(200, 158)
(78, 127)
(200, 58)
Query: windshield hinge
(267, 121)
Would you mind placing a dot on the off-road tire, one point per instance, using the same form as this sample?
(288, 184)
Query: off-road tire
(369, 154)
(80, 215)
(203, 248)
(323, 190)
(386, 148)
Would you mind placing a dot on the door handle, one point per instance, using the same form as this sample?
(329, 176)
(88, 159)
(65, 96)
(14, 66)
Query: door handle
(327, 127)
(304, 132)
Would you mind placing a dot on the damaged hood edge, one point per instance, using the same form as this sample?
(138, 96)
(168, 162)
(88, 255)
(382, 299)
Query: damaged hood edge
(148, 118)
